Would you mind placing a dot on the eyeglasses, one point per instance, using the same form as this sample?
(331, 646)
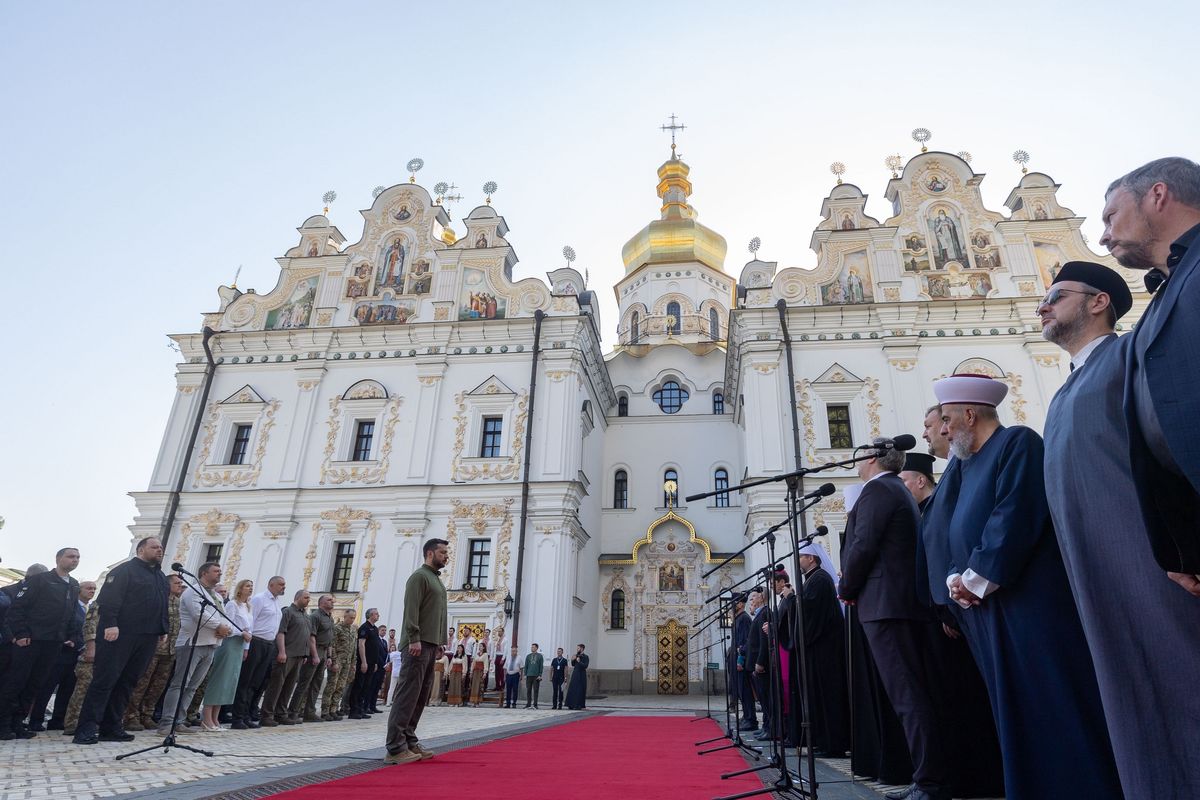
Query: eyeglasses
(1055, 294)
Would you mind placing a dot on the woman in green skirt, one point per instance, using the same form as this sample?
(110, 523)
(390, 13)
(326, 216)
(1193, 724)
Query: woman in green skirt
(227, 663)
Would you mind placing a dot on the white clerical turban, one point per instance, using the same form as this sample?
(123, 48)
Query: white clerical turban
(974, 389)
(851, 494)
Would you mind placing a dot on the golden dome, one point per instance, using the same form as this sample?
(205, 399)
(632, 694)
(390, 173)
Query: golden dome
(677, 237)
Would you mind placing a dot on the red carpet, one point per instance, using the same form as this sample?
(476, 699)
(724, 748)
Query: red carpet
(599, 758)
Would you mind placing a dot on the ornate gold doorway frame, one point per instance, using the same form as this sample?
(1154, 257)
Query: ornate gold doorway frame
(672, 658)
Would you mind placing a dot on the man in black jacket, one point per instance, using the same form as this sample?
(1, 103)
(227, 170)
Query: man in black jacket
(133, 615)
(42, 619)
(877, 575)
(742, 666)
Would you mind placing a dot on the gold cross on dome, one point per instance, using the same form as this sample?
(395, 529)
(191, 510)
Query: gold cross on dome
(672, 128)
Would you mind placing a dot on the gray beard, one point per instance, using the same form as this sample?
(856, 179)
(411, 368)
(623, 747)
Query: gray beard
(960, 446)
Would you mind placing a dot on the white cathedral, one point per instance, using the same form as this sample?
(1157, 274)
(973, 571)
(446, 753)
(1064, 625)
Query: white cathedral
(404, 387)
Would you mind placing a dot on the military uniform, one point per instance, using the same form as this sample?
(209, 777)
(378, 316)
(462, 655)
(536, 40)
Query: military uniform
(344, 642)
(83, 669)
(139, 714)
(308, 688)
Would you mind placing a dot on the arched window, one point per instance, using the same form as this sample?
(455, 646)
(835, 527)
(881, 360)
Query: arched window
(718, 403)
(622, 406)
(621, 489)
(674, 325)
(634, 320)
(714, 325)
(617, 610)
(671, 498)
(671, 397)
(721, 484)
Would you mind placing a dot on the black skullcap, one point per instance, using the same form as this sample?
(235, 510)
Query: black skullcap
(1102, 279)
(918, 462)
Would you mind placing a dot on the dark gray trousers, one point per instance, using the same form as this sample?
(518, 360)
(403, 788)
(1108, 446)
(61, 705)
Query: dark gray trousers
(413, 686)
(901, 653)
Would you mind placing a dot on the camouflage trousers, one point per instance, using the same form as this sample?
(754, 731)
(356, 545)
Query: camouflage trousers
(335, 691)
(149, 688)
(83, 680)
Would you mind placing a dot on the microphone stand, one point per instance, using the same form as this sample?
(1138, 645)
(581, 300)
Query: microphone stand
(785, 782)
(169, 740)
(707, 693)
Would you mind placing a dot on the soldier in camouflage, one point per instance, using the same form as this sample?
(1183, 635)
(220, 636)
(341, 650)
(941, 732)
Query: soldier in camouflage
(341, 667)
(139, 714)
(83, 669)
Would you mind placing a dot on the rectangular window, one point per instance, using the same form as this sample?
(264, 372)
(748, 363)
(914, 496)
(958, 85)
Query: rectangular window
(839, 427)
(343, 563)
(212, 553)
(721, 481)
(480, 563)
(489, 447)
(241, 444)
(364, 433)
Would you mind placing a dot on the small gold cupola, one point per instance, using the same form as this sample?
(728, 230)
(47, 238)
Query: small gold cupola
(676, 237)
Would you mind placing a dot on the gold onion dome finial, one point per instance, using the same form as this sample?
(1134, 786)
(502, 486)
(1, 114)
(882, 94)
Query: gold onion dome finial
(676, 237)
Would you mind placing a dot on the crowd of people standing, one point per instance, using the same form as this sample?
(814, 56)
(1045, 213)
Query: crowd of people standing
(153, 652)
(1029, 624)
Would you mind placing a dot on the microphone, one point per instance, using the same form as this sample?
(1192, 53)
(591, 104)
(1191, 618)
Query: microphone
(824, 490)
(905, 441)
(821, 531)
(177, 567)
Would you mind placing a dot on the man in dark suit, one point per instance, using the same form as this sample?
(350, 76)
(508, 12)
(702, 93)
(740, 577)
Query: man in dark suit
(756, 646)
(1152, 222)
(877, 576)
(741, 666)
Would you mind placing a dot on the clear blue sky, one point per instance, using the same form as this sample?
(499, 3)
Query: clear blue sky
(150, 148)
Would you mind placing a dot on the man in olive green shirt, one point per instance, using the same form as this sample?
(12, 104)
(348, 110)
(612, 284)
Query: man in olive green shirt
(533, 675)
(423, 629)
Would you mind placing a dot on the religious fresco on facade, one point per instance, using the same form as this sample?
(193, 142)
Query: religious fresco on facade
(390, 274)
(670, 577)
(478, 301)
(980, 240)
(481, 240)
(914, 256)
(386, 311)
(1039, 211)
(296, 311)
(946, 238)
(420, 279)
(853, 283)
(402, 213)
(1050, 258)
(988, 259)
(936, 184)
(957, 284)
(359, 282)
(312, 248)
(847, 221)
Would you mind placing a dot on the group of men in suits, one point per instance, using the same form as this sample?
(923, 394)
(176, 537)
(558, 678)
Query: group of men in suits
(1070, 565)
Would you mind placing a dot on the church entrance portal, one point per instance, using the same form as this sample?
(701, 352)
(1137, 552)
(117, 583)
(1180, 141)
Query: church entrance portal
(672, 658)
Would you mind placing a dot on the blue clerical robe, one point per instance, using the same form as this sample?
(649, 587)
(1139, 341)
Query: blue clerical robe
(1026, 636)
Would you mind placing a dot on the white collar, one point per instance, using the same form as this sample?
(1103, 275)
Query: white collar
(1081, 357)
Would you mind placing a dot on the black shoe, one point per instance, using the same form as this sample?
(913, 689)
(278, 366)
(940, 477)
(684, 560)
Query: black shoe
(252, 724)
(93, 739)
(527, 705)
(747, 726)
(238, 725)
(54, 726)
(117, 736)
(357, 716)
(37, 727)
(901, 794)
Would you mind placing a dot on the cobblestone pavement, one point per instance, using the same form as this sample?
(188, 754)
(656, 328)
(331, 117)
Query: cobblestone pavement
(50, 766)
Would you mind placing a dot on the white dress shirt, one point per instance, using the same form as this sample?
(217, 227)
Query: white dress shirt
(265, 615)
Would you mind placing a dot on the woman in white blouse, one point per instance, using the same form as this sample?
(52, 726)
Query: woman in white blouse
(227, 663)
